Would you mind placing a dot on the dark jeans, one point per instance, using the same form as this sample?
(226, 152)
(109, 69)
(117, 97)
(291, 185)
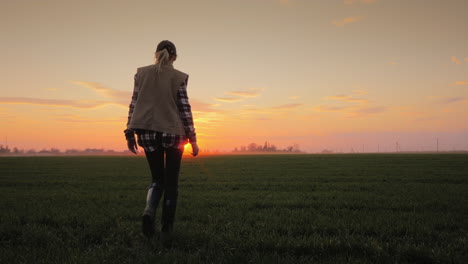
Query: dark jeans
(165, 172)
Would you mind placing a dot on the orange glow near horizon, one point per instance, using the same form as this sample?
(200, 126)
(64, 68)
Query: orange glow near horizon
(332, 75)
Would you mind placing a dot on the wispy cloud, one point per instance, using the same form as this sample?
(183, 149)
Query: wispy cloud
(258, 110)
(287, 106)
(360, 92)
(455, 60)
(328, 108)
(370, 110)
(347, 20)
(78, 119)
(347, 98)
(56, 102)
(452, 100)
(351, 2)
(199, 106)
(351, 111)
(278, 109)
(239, 95)
(118, 95)
(350, 105)
(294, 97)
(425, 119)
(113, 96)
(228, 99)
(461, 83)
(466, 59)
(247, 93)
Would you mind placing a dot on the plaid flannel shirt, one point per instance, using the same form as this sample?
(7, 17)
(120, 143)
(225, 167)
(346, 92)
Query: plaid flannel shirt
(147, 138)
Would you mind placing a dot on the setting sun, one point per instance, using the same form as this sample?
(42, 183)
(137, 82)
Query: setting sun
(186, 149)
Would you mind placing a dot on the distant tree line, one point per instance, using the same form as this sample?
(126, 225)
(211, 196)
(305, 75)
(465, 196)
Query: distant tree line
(52, 151)
(266, 147)
(4, 149)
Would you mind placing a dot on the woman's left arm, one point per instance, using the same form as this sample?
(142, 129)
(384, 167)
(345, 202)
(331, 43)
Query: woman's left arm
(129, 133)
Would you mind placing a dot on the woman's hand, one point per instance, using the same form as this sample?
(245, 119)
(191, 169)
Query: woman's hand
(194, 149)
(132, 145)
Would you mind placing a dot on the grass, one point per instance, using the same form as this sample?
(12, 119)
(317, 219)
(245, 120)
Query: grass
(239, 209)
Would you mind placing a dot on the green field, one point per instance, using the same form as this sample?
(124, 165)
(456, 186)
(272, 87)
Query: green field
(383, 208)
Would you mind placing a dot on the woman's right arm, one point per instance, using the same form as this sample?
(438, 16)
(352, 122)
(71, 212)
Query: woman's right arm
(185, 111)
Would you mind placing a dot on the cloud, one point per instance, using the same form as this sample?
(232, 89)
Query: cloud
(351, 2)
(116, 97)
(347, 20)
(286, 106)
(272, 109)
(466, 59)
(228, 99)
(351, 111)
(239, 95)
(425, 119)
(370, 110)
(247, 93)
(87, 104)
(455, 60)
(120, 96)
(199, 106)
(461, 83)
(393, 63)
(452, 100)
(255, 109)
(353, 106)
(78, 119)
(327, 108)
(360, 92)
(294, 97)
(347, 98)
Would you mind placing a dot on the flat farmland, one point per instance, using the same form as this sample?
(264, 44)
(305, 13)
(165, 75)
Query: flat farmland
(350, 208)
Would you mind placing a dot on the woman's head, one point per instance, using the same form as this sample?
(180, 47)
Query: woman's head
(166, 53)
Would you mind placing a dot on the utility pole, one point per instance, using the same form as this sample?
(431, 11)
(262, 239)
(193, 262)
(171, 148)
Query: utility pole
(397, 147)
(437, 144)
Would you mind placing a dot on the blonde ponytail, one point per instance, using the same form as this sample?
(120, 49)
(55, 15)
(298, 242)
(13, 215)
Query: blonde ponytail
(162, 57)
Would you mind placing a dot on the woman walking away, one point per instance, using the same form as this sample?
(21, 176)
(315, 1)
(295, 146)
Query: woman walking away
(160, 115)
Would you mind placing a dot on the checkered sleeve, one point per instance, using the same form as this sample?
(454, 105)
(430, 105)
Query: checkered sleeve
(185, 111)
(129, 133)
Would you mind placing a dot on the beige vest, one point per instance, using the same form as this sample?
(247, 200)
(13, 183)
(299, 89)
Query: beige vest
(156, 107)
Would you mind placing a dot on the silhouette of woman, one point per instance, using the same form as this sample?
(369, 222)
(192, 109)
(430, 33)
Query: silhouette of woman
(160, 115)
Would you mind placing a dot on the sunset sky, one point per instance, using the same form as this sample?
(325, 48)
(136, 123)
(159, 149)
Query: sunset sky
(324, 74)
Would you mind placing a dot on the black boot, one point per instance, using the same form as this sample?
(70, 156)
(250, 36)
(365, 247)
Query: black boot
(155, 192)
(167, 223)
